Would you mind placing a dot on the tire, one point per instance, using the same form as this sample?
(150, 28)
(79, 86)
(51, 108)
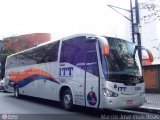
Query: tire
(67, 100)
(2, 88)
(16, 92)
(4, 91)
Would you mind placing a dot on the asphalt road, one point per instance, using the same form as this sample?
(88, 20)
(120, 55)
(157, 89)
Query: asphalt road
(29, 108)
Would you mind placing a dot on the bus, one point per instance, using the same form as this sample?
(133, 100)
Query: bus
(85, 69)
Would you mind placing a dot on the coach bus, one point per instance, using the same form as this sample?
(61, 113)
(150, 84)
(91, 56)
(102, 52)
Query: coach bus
(87, 70)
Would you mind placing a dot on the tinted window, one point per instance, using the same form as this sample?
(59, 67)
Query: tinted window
(42, 54)
(92, 62)
(73, 50)
(79, 52)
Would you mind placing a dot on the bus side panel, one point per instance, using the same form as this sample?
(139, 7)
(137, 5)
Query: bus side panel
(40, 80)
(74, 77)
(31, 89)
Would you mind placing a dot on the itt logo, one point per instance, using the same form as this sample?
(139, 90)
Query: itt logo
(121, 88)
(66, 71)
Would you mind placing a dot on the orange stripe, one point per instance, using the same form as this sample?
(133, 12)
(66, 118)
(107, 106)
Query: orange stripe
(18, 76)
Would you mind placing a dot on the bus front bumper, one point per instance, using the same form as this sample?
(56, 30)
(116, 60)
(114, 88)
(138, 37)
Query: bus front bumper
(123, 102)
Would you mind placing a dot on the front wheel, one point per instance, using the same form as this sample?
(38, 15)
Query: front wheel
(16, 91)
(67, 100)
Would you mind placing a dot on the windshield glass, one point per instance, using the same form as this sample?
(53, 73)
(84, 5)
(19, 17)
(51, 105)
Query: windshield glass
(123, 65)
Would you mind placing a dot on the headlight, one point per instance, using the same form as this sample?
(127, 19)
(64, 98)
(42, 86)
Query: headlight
(109, 93)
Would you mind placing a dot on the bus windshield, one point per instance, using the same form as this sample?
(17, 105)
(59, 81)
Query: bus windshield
(123, 62)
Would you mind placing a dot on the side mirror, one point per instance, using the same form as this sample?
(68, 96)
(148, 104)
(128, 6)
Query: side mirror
(105, 46)
(150, 55)
(151, 58)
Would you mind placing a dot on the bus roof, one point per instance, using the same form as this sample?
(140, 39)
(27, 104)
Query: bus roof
(52, 41)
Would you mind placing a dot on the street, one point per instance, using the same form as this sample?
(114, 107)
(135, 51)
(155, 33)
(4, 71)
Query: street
(29, 108)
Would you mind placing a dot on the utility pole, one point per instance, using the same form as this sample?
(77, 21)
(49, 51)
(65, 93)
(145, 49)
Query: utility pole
(137, 33)
(135, 24)
(132, 22)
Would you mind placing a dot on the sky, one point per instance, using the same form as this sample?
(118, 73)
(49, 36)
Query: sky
(61, 17)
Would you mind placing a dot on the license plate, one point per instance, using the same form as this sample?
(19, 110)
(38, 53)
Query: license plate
(129, 102)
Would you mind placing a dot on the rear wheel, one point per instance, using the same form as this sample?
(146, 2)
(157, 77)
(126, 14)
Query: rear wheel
(4, 91)
(16, 91)
(67, 100)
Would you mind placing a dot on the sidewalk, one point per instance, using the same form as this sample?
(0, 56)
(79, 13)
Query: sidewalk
(152, 102)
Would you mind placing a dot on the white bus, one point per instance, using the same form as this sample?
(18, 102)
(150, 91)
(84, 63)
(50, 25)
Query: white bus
(86, 70)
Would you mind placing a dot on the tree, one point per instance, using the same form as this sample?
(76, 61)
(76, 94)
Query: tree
(10, 46)
(154, 12)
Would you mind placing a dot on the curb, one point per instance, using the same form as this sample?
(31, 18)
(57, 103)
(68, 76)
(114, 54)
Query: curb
(149, 110)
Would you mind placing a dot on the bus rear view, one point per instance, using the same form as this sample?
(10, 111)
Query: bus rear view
(124, 84)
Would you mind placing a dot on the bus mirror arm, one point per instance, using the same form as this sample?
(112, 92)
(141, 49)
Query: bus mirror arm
(150, 55)
(106, 50)
(105, 46)
(151, 59)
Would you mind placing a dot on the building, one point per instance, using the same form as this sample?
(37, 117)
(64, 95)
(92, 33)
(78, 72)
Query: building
(18, 43)
(22, 42)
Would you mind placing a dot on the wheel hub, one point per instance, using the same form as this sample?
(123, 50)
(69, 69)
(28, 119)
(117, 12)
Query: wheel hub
(67, 100)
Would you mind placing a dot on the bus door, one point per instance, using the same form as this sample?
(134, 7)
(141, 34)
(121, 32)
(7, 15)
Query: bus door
(92, 78)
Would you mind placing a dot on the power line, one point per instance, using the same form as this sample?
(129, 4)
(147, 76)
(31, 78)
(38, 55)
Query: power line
(113, 7)
(134, 23)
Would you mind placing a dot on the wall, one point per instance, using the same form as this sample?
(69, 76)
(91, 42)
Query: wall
(151, 75)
